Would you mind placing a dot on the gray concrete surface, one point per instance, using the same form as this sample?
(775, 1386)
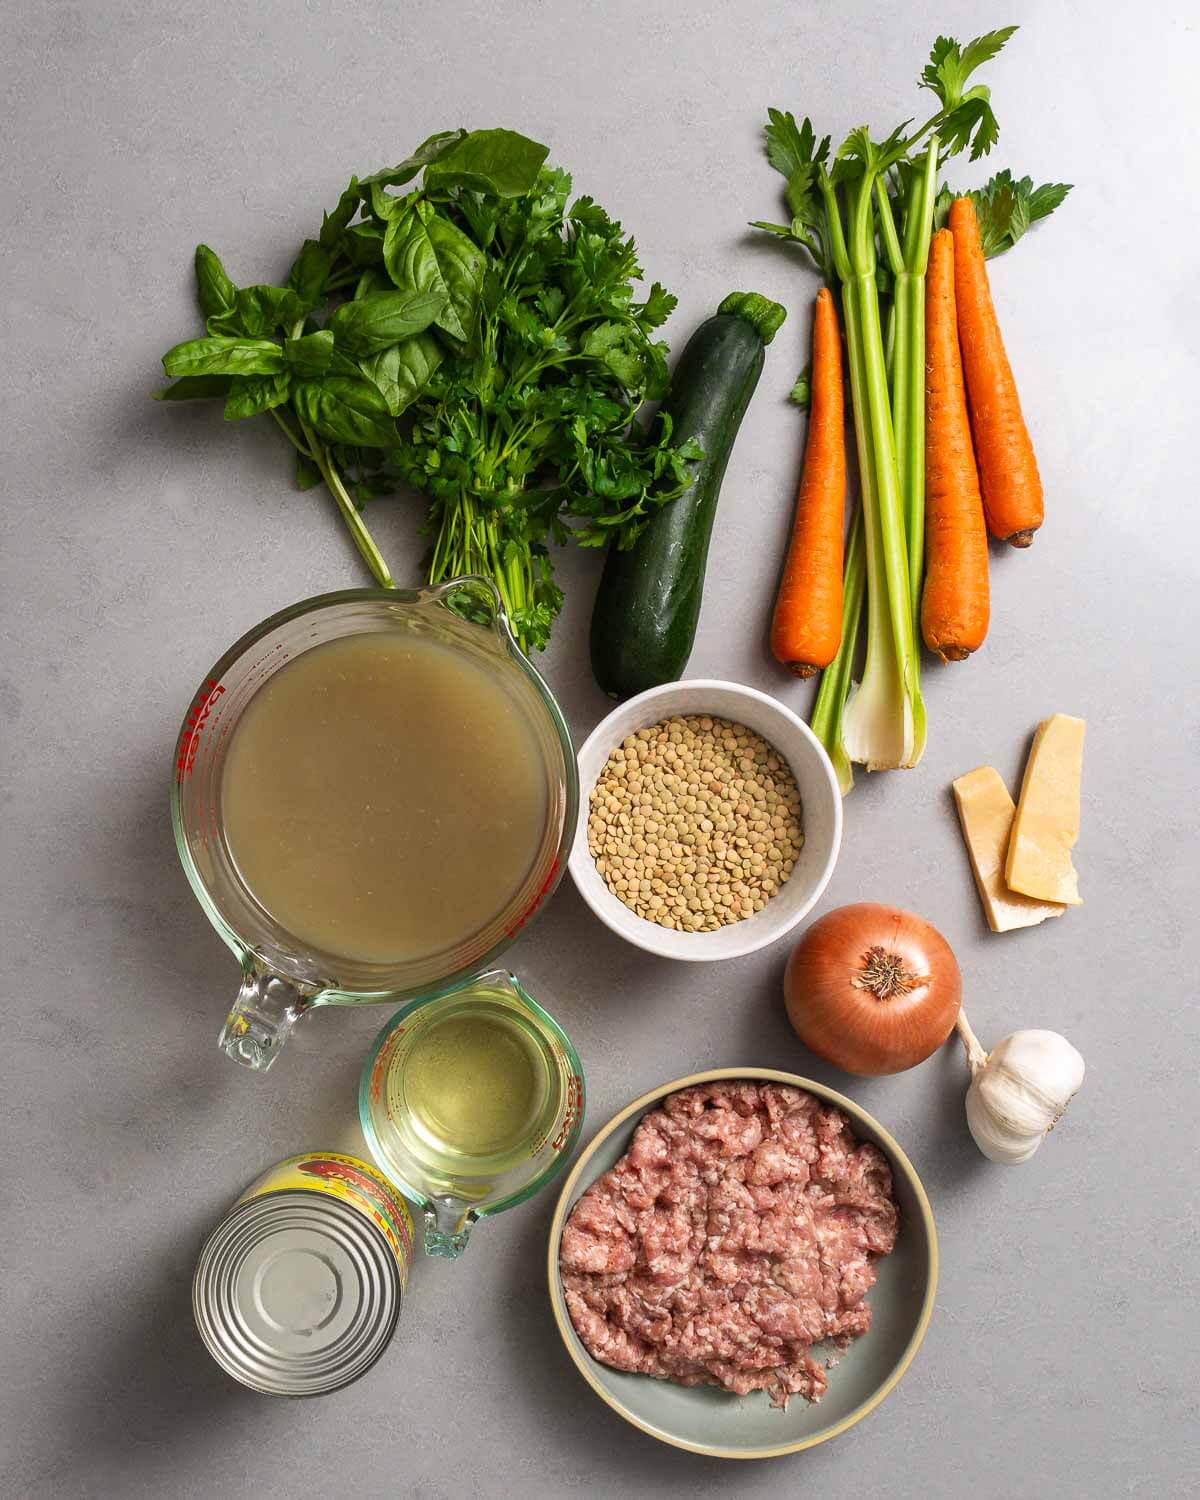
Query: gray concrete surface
(139, 540)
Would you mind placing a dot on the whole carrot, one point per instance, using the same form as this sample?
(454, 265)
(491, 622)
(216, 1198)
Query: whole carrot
(954, 605)
(807, 625)
(1008, 472)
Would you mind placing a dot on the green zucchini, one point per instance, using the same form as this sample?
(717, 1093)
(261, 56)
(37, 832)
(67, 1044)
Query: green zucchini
(648, 603)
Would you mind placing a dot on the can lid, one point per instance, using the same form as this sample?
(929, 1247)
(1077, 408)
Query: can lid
(296, 1293)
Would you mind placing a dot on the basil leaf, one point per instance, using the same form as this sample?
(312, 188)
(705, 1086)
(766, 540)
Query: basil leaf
(307, 473)
(383, 318)
(429, 150)
(347, 206)
(402, 372)
(259, 310)
(311, 354)
(345, 411)
(423, 250)
(224, 356)
(215, 291)
(195, 388)
(309, 273)
(489, 161)
(363, 243)
(385, 206)
(342, 364)
(250, 394)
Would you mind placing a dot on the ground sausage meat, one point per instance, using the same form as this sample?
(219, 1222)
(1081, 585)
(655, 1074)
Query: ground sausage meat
(739, 1229)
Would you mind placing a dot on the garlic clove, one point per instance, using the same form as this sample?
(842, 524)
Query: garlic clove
(996, 1142)
(1020, 1092)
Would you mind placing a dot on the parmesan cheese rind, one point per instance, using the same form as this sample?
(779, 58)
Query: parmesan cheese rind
(1047, 822)
(986, 811)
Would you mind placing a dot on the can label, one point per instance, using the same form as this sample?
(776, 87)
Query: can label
(353, 1181)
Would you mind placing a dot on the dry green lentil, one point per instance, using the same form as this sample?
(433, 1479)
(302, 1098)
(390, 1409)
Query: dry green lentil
(695, 823)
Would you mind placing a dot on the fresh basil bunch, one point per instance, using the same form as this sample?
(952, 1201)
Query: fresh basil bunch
(473, 338)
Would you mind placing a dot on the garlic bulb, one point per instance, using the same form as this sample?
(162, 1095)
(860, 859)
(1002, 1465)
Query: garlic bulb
(1018, 1090)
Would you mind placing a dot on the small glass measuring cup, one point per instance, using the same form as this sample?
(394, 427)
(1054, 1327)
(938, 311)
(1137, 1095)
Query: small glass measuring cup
(282, 976)
(461, 1158)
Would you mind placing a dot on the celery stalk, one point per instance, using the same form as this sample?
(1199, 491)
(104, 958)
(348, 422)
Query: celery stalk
(884, 721)
(908, 409)
(835, 679)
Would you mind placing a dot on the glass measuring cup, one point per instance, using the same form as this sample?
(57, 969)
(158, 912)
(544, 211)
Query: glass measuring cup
(471, 1099)
(282, 975)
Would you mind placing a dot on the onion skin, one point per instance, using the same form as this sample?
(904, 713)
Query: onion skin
(832, 989)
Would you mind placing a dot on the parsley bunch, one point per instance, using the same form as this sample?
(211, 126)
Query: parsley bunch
(474, 338)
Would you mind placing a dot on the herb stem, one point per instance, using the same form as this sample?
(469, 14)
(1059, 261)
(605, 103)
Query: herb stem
(363, 539)
(922, 130)
(286, 428)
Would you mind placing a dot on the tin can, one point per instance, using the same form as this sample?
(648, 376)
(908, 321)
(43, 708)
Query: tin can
(298, 1289)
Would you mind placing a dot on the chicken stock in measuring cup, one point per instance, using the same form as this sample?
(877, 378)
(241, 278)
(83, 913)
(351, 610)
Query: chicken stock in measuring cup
(374, 791)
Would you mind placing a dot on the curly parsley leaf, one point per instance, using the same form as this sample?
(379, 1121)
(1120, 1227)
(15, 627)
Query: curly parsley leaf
(656, 309)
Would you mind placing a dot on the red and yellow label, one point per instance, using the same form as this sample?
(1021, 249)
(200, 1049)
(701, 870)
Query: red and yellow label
(353, 1181)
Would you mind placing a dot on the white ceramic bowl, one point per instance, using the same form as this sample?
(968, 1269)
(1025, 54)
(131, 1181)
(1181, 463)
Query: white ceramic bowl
(819, 795)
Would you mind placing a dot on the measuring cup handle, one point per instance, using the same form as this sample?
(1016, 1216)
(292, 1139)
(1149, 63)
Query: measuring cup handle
(266, 1009)
(448, 1224)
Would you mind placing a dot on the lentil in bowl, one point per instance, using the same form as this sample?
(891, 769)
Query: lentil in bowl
(695, 822)
(795, 747)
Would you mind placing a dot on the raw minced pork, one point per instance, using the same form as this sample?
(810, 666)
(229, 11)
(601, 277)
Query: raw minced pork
(739, 1229)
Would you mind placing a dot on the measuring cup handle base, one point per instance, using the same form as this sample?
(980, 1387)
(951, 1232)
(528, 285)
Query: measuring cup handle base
(266, 1009)
(447, 1228)
(445, 1246)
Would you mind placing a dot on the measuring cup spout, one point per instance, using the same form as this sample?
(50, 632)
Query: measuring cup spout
(266, 1009)
(475, 598)
(448, 1224)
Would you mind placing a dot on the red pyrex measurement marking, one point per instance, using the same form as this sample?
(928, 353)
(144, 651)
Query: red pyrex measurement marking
(574, 1109)
(189, 745)
(381, 1062)
(536, 902)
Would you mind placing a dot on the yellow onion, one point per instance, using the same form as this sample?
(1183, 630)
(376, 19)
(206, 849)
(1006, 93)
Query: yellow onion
(872, 989)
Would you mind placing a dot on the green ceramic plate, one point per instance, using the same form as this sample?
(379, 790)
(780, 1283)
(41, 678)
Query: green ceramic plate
(706, 1420)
